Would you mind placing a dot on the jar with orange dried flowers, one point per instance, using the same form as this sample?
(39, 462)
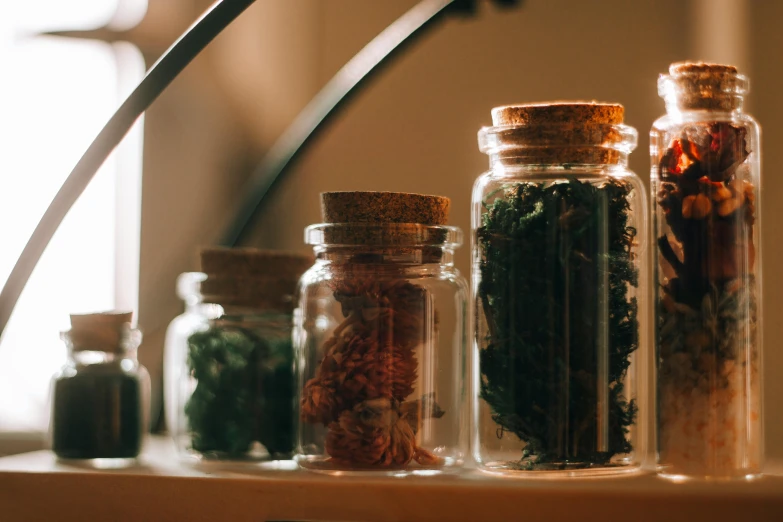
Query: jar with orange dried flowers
(380, 337)
(705, 180)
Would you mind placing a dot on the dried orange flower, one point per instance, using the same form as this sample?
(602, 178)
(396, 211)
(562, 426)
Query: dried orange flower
(368, 370)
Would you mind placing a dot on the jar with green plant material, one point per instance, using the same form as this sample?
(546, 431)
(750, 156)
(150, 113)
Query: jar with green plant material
(236, 400)
(100, 398)
(705, 181)
(380, 338)
(558, 280)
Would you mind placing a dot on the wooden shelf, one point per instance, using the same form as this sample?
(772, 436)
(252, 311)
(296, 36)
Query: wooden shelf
(34, 486)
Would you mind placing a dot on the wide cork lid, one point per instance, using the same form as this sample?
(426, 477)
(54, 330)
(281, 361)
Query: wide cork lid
(252, 278)
(703, 85)
(705, 68)
(558, 132)
(384, 207)
(390, 219)
(576, 113)
(254, 262)
(102, 332)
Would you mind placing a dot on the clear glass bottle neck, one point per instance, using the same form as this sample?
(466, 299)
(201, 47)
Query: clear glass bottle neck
(189, 290)
(390, 256)
(679, 103)
(85, 350)
(713, 91)
(89, 357)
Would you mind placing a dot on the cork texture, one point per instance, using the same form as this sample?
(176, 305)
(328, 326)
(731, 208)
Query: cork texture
(702, 85)
(701, 68)
(384, 207)
(559, 112)
(263, 293)
(250, 278)
(560, 132)
(254, 262)
(100, 331)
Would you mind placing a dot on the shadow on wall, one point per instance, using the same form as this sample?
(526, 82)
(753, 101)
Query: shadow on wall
(414, 129)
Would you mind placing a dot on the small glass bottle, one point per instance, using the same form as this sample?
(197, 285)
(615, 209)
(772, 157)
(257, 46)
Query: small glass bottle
(380, 338)
(705, 184)
(558, 281)
(176, 345)
(100, 404)
(235, 400)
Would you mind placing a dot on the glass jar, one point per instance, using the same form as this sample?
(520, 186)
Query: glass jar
(100, 402)
(558, 281)
(235, 398)
(176, 346)
(705, 181)
(380, 338)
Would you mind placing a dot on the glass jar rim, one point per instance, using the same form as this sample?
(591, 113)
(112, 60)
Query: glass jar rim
(383, 235)
(732, 83)
(503, 138)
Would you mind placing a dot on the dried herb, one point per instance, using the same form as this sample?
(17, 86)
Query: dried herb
(706, 334)
(368, 371)
(244, 391)
(548, 253)
(97, 413)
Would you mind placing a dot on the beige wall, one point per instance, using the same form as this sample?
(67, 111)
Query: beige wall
(766, 42)
(415, 128)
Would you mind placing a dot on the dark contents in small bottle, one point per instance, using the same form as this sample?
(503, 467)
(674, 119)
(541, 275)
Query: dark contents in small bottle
(97, 413)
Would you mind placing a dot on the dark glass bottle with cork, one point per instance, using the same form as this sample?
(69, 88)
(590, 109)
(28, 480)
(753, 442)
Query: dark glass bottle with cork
(101, 395)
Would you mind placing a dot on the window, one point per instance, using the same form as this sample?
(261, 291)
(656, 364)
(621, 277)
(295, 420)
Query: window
(56, 95)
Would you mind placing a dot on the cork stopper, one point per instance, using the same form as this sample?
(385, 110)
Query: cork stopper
(559, 113)
(701, 85)
(102, 332)
(710, 69)
(560, 132)
(396, 222)
(252, 278)
(384, 207)
(254, 262)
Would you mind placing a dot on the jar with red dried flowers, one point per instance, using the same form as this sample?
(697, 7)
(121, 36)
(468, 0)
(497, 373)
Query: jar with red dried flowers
(380, 337)
(705, 181)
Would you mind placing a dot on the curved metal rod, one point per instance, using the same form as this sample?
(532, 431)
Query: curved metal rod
(168, 67)
(346, 83)
(334, 95)
(287, 148)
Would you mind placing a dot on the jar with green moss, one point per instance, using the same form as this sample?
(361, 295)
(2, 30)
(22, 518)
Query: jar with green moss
(235, 400)
(559, 241)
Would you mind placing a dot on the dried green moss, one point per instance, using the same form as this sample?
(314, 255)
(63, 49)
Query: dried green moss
(556, 267)
(244, 392)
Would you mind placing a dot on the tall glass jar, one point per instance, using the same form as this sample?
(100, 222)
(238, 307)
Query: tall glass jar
(176, 346)
(380, 340)
(100, 402)
(705, 180)
(235, 400)
(558, 282)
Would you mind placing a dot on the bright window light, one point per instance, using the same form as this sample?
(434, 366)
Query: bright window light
(55, 96)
